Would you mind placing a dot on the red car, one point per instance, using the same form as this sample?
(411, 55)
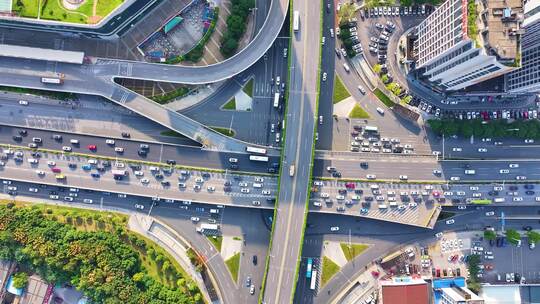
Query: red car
(56, 170)
(92, 147)
(438, 273)
(375, 273)
(350, 185)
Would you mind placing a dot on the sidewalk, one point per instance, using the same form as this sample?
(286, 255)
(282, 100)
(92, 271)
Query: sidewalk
(230, 247)
(359, 288)
(333, 251)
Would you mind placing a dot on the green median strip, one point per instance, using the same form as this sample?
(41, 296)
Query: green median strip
(329, 269)
(384, 98)
(340, 91)
(353, 250)
(224, 131)
(216, 241)
(230, 105)
(233, 263)
(358, 113)
(248, 88)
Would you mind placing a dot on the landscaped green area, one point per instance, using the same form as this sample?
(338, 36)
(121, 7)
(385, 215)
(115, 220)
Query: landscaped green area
(51, 94)
(236, 25)
(358, 112)
(233, 263)
(472, 16)
(473, 264)
(230, 105)
(329, 269)
(224, 131)
(169, 96)
(54, 10)
(498, 128)
(171, 133)
(216, 241)
(353, 250)
(248, 88)
(95, 252)
(382, 97)
(340, 91)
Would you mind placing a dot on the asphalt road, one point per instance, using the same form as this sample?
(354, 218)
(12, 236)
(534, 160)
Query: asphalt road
(301, 111)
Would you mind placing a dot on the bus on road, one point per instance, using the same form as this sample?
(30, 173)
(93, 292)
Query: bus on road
(371, 129)
(258, 158)
(296, 21)
(313, 280)
(255, 150)
(119, 172)
(57, 79)
(276, 100)
(309, 267)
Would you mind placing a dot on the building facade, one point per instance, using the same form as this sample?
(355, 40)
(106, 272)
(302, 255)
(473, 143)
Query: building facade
(453, 51)
(527, 78)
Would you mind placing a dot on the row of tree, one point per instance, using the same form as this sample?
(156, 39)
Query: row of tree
(498, 128)
(100, 264)
(236, 26)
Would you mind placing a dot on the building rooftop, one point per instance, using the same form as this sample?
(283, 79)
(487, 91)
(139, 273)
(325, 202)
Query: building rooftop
(499, 28)
(412, 291)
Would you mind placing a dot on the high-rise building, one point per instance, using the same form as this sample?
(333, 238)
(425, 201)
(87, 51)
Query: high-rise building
(465, 42)
(527, 78)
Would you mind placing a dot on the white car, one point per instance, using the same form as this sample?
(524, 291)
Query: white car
(371, 176)
(195, 219)
(504, 171)
(145, 180)
(138, 173)
(33, 161)
(259, 179)
(68, 199)
(413, 205)
(517, 199)
(119, 150)
(317, 204)
(139, 206)
(403, 177)
(92, 162)
(33, 190)
(462, 207)
(256, 203)
(450, 222)
(436, 153)
(513, 165)
(529, 141)
(199, 180)
(437, 172)
(324, 75)
(233, 160)
(439, 235)
(211, 188)
(66, 149)
(51, 163)
(482, 150)
(455, 178)
(40, 172)
(266, 192)
(23, 102)
(334, 228)
(457, 149)
(521, 177)
(54, 197)
(490, 213)
(244, 190)
(109, 142)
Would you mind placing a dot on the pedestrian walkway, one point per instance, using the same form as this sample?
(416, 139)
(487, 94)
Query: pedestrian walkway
(230, 246)
(344, 107)
(190, 100)
(333, 251)
(243, 101)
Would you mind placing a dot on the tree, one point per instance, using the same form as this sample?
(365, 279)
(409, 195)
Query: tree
(490, 235)
(377, 68)
(20, 279)
(138, 277)
(534, 237)
(512, 236)
(384, 78)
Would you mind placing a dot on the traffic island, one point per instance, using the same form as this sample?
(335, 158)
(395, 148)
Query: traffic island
(353, 250)
(233, 264)
(329, 269)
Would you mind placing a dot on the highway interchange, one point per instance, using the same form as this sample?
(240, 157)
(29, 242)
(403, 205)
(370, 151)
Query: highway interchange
(214, 179)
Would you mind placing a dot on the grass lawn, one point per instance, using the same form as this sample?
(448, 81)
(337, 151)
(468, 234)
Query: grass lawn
(216, 241)
(340, 91)
(29, 8)
(233, 264)
(329, 269)
(385, 99)
(224, 131)
(353, 251)
(170, 96)
(230, 105)
(358, 112)
(54, 10)
(248, 88)
(171, 133)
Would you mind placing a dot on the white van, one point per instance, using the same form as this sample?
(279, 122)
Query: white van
(257, 185)
(470, 172)
(88, 201)
(346, 67)
(214, 211)
(74, 141)
(380, 110)
(383, 206)
(499, 200)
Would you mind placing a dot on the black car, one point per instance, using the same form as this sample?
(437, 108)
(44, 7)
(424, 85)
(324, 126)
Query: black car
(513, 188)
(106, 163)
(227, 183)
(275, 165)
(165, 184)
(126, 135)
(118, 177)
(336, 174)
(530, 187)
(529, 192)
(342, 191)
(233, 166)
(254, 260)
(158, 176)
(35, 154)
(135, 167)
(358, 191)
(368, 198)
(205, 174)
(171, 162)
(23, 132)
(72, 166)
(17, 137)
(493, 192)
(527, 228)
(142, 152)
(271, 200)
(227, 189)
(364, 165)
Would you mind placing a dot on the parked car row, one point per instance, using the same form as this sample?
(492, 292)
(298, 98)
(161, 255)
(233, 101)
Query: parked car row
(396, 11)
